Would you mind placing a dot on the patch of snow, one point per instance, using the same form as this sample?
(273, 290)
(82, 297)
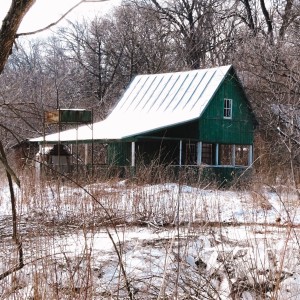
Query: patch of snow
(226, 241)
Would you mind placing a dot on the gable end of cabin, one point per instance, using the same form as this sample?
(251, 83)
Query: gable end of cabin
(228, 118)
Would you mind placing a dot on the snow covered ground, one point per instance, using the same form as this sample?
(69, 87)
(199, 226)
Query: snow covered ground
(166, 241)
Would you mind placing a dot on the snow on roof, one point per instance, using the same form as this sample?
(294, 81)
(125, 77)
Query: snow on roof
(151, 102)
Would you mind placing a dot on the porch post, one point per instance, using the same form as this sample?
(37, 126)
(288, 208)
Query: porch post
(199, 153)
(217, 155)
(180, 153)
(40, 161)
(233, 155)
(86, 154)
(250, 155)
(133, 154)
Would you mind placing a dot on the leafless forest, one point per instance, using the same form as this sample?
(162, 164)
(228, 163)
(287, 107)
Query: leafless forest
(88, 64)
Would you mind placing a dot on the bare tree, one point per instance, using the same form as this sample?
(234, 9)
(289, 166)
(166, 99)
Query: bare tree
(198, 28)
(110, 51)
(8, 34)
(145, 41)
(272, 75)
(85, 48)
(270, 19)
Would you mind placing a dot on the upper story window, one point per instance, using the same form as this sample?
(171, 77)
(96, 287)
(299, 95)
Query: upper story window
(227, 108)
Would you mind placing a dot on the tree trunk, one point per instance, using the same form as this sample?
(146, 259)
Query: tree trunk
(9, 28)
(15, 235)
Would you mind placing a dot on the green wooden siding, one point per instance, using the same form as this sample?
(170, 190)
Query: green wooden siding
(119, 154)
(213, 128)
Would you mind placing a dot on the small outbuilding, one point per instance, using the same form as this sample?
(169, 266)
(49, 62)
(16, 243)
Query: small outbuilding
(199, 118)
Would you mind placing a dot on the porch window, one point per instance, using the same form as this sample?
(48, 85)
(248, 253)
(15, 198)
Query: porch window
(207, 154)
(225, 154)
(241, 154)
(227, 108)
(191, 154)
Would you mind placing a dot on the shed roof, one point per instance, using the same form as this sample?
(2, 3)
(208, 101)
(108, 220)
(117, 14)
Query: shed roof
(151, 102)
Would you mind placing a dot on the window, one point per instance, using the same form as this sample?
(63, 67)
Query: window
(225, 154)
(227, 108)
(207, 154)
(241, 154)
(191, 154)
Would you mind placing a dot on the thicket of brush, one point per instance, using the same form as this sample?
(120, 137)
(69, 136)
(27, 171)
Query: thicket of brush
(62, 223)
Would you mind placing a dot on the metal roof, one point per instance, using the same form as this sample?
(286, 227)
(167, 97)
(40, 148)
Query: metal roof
(151, 102)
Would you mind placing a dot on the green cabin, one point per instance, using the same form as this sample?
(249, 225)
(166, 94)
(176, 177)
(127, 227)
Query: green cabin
(199, 118)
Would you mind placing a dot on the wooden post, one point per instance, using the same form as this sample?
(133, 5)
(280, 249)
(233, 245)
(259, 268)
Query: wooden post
(133, 154)
(199, 153)
(250, 155)
(233, 155)
(217, 155)
(39, 161)
(180, 153)
(86, 154)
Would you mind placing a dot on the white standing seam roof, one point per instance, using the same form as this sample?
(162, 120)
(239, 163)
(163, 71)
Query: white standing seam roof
(151, 102)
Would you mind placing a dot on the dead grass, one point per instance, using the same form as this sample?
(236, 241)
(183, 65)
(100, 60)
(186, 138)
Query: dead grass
(63, 239)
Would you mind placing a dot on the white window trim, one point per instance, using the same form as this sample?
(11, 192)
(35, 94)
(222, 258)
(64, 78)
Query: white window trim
(229, 108)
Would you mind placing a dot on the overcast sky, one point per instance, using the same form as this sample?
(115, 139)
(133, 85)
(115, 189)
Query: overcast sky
(44, 12)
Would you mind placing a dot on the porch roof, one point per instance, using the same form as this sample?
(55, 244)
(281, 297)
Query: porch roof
(151, 102)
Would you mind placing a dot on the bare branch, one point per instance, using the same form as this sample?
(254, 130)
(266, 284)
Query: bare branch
(61, 18)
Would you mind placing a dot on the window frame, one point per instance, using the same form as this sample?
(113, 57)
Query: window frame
(227, 109)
